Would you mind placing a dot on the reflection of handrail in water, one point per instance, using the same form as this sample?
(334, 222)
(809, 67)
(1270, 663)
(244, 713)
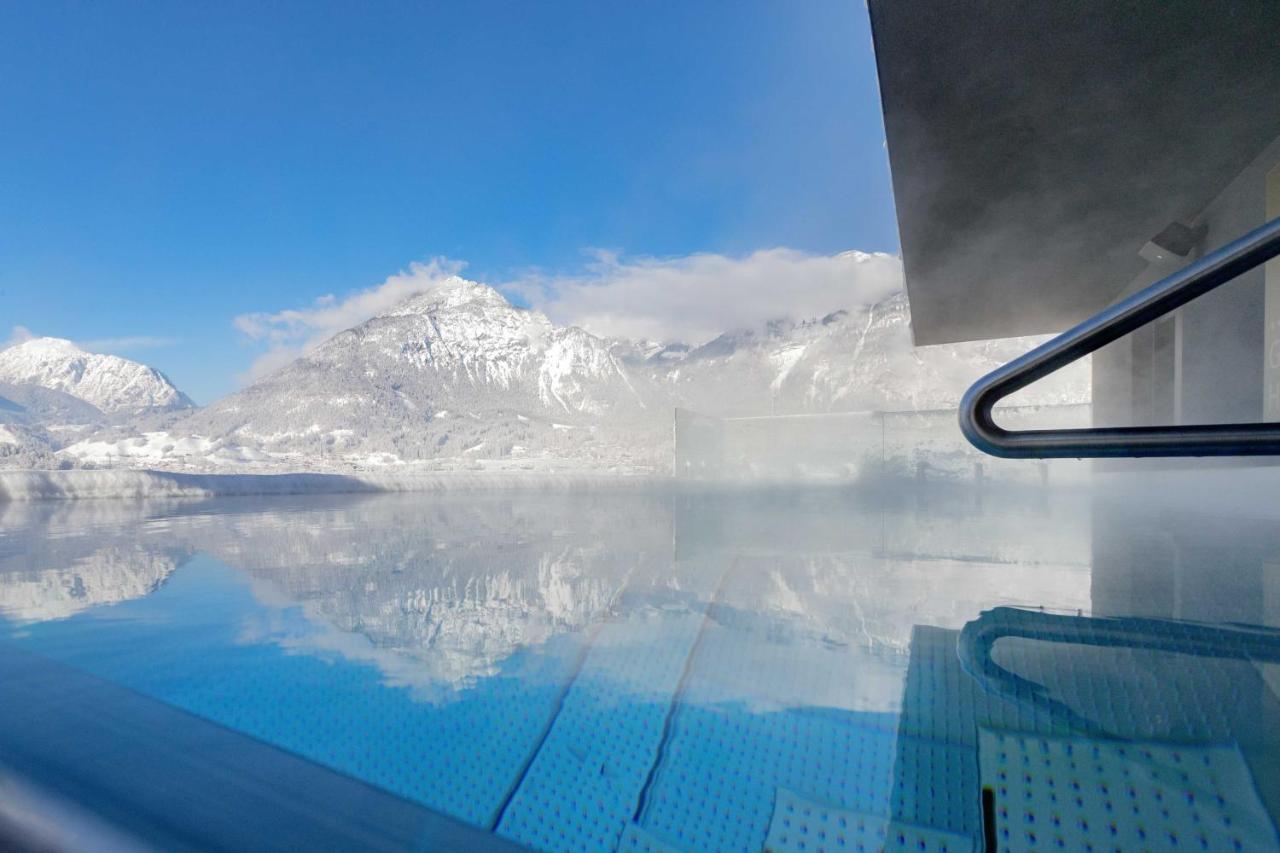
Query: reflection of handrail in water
(978, 638)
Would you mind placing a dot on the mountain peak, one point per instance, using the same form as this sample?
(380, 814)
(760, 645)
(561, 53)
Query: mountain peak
(450, 293)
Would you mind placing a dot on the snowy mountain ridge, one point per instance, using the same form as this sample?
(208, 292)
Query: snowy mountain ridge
(110, 383)
(849, 360)
(458, 377)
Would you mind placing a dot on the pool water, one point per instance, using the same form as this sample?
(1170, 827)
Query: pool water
(932, 668)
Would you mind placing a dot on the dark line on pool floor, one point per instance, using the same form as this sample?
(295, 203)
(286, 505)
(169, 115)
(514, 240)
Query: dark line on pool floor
(989, 820)
(677, 699)
(588, 642)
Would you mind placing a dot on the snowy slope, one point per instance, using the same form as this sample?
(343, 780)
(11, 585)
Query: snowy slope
(33, 404)
(847, 361)
(24, 446)
(108, 382)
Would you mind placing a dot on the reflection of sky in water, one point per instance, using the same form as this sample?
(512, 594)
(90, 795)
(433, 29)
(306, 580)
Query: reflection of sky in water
(648, 668)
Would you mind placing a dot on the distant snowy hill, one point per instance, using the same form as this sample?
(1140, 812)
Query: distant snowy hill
(111, 384)
(53, 393)
(457, 377)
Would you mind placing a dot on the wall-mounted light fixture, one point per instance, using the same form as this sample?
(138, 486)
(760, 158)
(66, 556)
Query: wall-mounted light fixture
(1174, 243)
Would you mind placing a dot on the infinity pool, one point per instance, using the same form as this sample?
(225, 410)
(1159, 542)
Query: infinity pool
(927, 669)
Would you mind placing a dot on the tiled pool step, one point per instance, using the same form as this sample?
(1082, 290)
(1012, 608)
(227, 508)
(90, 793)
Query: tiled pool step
(744, 730)
(682, 726)
(803, 826)
(1075, 794)
(583, 786)
(947, 716)
(458, 755)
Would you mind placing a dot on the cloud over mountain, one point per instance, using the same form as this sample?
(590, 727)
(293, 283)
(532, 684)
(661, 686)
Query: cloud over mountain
(690, 298)
(694, 298)
(294, 332)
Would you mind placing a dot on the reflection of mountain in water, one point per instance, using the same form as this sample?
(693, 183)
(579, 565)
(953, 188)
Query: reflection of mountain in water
(451, 614)
(108, 576)
(444, 588)
(697, 662)
(447, 589)
(57, 560)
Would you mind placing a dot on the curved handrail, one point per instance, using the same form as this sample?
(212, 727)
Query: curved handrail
(1213, 270)
(977, 639)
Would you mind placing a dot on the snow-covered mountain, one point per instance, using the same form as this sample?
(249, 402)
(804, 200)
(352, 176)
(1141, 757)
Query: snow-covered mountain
(112, 384)
(52, 393)
(456, 372)
(846, 361)
(459, 377)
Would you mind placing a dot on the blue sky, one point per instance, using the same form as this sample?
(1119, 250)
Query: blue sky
(168, 167)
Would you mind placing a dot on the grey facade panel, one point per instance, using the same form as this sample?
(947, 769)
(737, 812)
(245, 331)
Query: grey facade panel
(1035, 147)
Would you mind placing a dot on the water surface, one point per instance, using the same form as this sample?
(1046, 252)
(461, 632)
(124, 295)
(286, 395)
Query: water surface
(676, 670)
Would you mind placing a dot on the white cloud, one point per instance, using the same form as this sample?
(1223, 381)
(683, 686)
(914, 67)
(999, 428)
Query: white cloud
(692, 298)
(132, 342)
(17, 335)
(697, 297)
(293, 332)
(21, 334)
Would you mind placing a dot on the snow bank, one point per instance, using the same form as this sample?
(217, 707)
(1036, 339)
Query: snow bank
(66, 485)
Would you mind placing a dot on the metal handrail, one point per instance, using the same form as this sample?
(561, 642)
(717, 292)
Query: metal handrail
(1229, 641)
(1196, 279)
